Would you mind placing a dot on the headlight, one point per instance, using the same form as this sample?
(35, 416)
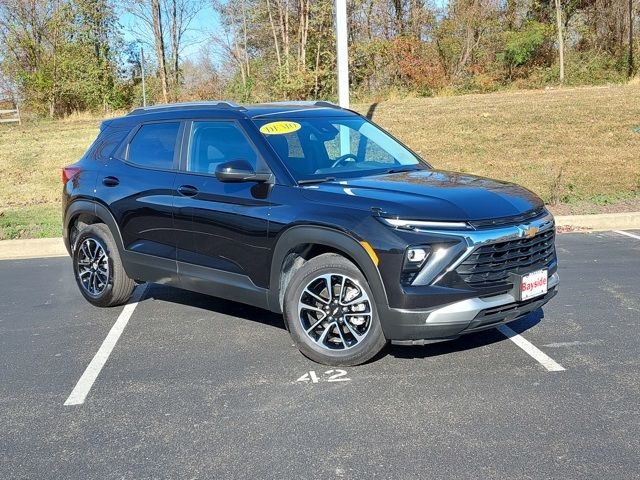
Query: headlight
(424, 224)
(424, 264)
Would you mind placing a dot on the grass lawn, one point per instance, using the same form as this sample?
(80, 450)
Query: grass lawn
(31, 158)
(577, 148)
(32, 221)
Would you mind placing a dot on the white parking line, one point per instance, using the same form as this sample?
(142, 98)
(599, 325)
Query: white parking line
(82, 388)
(545, 360)
(637, 237)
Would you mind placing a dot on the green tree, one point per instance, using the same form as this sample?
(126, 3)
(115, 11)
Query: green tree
(523, 46)
(61, 54)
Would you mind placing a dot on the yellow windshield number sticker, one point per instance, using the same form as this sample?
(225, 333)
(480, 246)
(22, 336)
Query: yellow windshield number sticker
(279, 128)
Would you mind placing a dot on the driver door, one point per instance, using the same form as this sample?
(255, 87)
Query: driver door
(221, 226)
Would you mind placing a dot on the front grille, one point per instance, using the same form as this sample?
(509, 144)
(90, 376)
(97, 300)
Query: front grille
(513, 220)
(407, 277)
(490, 265)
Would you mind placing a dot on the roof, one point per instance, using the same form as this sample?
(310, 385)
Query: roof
(295, 108)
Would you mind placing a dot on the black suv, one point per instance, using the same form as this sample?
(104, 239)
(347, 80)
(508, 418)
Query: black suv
(310, 210)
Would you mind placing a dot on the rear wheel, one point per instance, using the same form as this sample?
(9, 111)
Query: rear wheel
(331, 312)
(98, 269)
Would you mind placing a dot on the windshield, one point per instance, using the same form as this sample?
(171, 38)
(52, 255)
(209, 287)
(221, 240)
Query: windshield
(339, 147)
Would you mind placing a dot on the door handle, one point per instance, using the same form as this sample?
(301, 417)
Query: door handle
(187, 190)
(110, 181)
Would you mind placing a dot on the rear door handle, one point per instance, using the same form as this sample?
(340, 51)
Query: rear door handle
(110, 181)
(187, 190)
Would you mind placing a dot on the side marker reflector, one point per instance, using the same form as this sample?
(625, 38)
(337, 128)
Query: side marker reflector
(371, 252)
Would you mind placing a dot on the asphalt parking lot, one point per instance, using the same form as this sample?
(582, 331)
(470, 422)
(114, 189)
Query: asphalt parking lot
(197, 387)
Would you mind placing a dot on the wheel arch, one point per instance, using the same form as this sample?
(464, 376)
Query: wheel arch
(303, 242)
(89, 212)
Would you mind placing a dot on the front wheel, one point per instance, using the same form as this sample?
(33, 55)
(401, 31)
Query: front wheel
(331, 312)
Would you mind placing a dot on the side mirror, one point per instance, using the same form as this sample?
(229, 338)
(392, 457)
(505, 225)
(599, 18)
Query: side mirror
(239, 171)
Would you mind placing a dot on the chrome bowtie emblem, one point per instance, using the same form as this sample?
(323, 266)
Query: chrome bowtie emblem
(529, 231)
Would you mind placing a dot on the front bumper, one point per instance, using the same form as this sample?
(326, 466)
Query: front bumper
(461, 317)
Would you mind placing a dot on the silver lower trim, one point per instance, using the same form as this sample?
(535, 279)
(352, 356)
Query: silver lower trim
(466, 310)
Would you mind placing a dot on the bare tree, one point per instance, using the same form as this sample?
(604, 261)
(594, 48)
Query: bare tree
(303, 33)
(156, 15)
(233, 36)
(283, 12)
(175, 45)
(276, 42)
(148, 14)
(180, 16)
(399, 17)
(200, 77)
(244, 37)
(473, 16)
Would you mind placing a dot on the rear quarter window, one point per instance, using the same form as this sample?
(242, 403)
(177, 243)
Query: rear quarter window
(108, 140)
(154, 145)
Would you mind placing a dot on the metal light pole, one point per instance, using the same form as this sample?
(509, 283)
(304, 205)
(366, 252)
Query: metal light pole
(342, 53)
(630, 38)
(144, 88)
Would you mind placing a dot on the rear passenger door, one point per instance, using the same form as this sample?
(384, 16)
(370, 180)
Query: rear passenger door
(138, 186)
(221, 226)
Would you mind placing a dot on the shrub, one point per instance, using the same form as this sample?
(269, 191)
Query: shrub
(523, 47)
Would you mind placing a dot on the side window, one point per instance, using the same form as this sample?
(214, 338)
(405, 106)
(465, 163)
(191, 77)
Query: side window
(154, 145)
(213, 143)
(107, 141)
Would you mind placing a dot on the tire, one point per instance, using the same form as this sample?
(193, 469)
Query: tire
(338, 327)
(101, 279)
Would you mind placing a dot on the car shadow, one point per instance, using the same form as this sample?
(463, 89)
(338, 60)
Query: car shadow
(215, 305)
(466, 342)
(246, 312)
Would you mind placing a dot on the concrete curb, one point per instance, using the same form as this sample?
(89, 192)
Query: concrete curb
(54, 247)
(603, 221)
(32, 248)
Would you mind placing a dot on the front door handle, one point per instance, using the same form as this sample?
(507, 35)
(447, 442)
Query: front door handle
(110, 181)
(187, 190)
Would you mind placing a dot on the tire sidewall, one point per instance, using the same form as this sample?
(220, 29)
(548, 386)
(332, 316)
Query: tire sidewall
(92, 231)
(366, 349)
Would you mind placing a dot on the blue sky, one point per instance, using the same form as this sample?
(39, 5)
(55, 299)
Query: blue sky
(200, 29)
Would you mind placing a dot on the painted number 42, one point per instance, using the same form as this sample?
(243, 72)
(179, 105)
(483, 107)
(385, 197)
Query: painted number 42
(332, 375)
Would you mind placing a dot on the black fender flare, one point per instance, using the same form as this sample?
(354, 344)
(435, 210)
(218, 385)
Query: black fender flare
(335, 239)
(78, 207)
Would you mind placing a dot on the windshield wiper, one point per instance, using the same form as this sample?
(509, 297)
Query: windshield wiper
(308, 181)
(401, 169)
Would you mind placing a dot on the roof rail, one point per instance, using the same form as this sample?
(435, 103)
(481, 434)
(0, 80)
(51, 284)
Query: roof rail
(308, 103)
(171, 106)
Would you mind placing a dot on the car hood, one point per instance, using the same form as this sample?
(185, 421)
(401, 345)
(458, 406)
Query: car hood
(432, 194)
